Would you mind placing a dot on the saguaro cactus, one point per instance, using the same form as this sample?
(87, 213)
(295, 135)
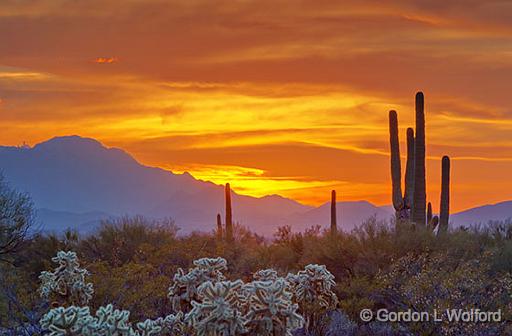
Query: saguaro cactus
(229, 215)
(334, 226)
(409, 170)
(396, 170)
(219, 228)
(420, 196)
(429, 213)
(445, 194)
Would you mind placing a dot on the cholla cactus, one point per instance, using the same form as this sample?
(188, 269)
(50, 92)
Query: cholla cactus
(77, 321)
(265, 275)
(213, 267)
(148, 328)
(171, 324)
(185, 285)
(67, 282)
(67, 321)
(271, 311)
(218, 311)
(313, 291)
(110, 321)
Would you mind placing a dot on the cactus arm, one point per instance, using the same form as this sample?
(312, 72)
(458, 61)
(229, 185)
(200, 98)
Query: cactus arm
(395, 162)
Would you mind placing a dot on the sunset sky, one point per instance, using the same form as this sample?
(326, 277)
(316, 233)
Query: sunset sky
(276, 97)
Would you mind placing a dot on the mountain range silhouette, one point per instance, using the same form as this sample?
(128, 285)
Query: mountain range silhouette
(75, 182)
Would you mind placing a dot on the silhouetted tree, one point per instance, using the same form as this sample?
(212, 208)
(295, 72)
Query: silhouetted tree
(16, 220)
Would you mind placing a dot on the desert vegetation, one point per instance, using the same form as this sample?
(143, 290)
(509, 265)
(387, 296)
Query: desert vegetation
(141, 273)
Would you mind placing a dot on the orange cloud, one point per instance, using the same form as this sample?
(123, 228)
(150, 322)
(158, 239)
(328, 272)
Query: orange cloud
(106, 60)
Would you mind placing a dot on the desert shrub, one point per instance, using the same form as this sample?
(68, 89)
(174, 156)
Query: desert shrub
(16, 220)
(340, 324)
(20, 305)
(118, 240)
(502, 258)
(499, 229)
(383, 329)
(138, 286)
(355, 294)
(427, 282)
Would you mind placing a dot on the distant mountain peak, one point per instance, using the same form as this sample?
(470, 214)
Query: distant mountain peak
(70, 142)
(83, 147)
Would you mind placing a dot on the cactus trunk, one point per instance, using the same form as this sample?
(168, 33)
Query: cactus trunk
(420, 197)
(395, 162)
(445, 194)
(334, 226)
(409, 170)
(219, 228)
(229, 216)
(429, 212)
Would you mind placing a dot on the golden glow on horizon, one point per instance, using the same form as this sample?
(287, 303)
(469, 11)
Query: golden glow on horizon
(251, 181)
(255, 182)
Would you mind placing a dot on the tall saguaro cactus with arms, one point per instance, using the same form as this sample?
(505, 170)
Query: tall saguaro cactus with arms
(412, 207)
